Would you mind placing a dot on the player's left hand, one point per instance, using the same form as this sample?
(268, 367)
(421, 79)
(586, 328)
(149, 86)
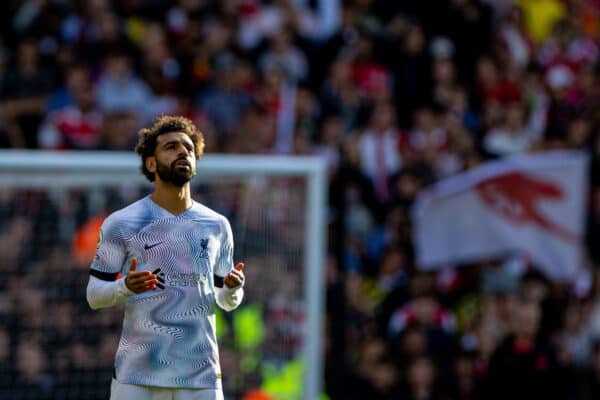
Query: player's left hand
(235, 277)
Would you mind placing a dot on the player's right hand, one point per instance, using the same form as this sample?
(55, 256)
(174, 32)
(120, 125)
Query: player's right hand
(139, 281)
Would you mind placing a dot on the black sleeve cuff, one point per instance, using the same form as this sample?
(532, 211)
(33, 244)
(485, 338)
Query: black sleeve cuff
(218, 281)
(105, 276)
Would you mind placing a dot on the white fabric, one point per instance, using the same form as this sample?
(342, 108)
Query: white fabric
(528, 203)
(229, 298)
(501, 141)
(124, 391)
(129, 95)
(370, 162)
(101, 294)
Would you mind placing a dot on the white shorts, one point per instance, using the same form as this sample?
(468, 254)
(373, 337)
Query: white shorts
(124, 391)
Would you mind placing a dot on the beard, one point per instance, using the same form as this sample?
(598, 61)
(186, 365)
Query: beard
(173, 175)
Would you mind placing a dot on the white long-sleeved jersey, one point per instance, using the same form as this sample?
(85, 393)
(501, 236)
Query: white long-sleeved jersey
(168, 337)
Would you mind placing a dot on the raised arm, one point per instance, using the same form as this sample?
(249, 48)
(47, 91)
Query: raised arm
(229, 281)
(106, 287)
(230, 290)
(106, 293)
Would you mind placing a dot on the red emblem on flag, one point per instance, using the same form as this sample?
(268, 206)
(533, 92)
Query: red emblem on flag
(515, 196)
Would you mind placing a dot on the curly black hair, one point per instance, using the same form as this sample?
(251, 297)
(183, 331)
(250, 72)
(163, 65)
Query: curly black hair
(165, 124)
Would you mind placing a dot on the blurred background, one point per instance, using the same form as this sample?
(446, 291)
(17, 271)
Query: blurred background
(394, 96)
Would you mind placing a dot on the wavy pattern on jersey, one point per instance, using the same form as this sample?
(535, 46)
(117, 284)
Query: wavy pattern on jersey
(202, 308)
(176, 246)
(169, 337)
(117, 231)
(159, 315)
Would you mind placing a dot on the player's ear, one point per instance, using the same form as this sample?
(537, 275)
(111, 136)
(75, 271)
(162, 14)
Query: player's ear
(151, 164)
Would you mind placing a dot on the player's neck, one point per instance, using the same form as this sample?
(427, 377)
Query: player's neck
(175, 200)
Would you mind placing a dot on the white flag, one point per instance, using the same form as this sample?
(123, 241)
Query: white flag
(532, 203)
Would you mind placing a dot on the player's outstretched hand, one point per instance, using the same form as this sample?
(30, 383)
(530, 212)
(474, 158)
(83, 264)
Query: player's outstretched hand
(235, 277)
(139, 281)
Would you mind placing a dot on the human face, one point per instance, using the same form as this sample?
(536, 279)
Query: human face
(174, 158)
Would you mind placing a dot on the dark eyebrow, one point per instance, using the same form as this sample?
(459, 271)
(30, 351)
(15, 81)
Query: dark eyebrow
(184, 142)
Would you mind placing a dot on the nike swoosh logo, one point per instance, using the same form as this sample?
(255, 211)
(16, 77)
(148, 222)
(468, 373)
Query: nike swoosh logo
(149, 246)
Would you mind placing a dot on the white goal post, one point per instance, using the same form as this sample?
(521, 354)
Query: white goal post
(63, 169)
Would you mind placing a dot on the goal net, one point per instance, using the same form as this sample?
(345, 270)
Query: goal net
(51, 207)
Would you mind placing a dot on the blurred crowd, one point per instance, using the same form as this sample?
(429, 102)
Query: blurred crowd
(394, 95)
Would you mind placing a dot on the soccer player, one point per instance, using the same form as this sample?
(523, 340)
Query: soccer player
(175, 256)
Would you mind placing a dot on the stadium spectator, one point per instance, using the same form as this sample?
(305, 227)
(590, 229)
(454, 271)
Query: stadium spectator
(23, 91)
(224, 101)
(32, 380)
(512, 136)
(119, 89)
(283, 54)
(421, 382)
(524, 357)
(380, 156)
(75, 126)
(76, 77)
(339, 94)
